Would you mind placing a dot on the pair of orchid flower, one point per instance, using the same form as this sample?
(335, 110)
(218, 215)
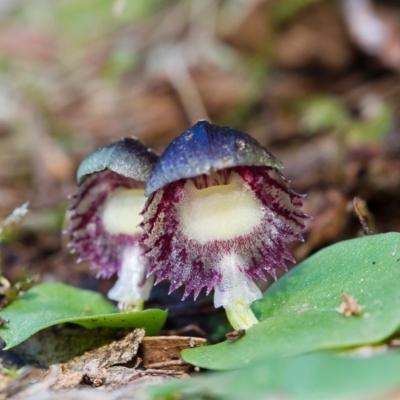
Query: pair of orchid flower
(216, 213)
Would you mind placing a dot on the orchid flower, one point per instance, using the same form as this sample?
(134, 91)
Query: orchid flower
(105, 217)
(219, 216)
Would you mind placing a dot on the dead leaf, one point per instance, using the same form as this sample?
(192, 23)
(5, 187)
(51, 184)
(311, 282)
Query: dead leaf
(299, 47)
(349, 306)
(68, 380)
(119, 375)
(235, 335)
(92, 366)
(164, 352)
(363, 214)
(376, 30)
(330, 215)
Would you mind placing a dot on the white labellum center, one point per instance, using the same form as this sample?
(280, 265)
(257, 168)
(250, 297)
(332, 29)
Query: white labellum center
(121, 211)
(219, 212)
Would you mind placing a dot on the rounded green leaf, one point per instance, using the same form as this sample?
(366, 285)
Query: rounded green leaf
(308, 377)
(49, 304)
(299, 312)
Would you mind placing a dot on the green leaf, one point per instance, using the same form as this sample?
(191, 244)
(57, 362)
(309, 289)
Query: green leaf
(320, 113)
(283, 11)
(312, 376)
(49, 304)
(299, 313)
(373, 129)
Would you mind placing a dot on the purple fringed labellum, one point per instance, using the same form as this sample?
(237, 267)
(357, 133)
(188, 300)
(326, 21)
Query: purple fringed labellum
(105, 217)
(226, 218)
(92, 236)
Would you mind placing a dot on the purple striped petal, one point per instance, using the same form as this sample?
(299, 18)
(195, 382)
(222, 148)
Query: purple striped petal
(186, 257)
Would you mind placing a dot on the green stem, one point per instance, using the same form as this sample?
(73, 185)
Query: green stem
(241, 317)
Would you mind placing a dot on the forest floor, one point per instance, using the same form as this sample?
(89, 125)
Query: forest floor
(306, 81)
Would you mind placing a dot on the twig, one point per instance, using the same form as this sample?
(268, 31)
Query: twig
(361, 210)
(170, 363)
(176, 68)
(203, 20)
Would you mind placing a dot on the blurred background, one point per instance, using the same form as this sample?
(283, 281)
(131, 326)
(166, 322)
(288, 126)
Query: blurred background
(315, 81)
